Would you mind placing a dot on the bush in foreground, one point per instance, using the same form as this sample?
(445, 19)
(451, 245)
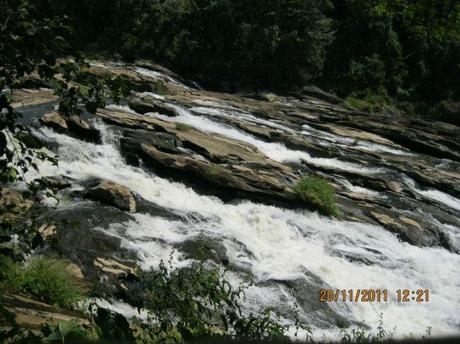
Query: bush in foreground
(317, 192)
(196, 302)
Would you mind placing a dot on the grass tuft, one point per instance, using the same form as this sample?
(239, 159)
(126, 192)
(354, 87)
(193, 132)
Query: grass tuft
(317, 192)
(50, 280)
(182, 127)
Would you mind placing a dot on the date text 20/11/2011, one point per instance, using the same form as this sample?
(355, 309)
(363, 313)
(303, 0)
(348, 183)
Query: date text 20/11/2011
(373, 295)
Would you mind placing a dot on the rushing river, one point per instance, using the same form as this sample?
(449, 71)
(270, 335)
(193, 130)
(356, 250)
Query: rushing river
(274, 245)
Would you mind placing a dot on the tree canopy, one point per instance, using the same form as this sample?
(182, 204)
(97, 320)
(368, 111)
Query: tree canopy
(405, 50)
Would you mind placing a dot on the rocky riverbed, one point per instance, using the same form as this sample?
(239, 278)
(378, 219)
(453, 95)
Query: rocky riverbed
(177, 170)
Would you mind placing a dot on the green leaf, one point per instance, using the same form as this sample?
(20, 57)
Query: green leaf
(12, 174)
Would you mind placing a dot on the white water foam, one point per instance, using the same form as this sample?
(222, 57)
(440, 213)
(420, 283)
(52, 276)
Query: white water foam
(159, 76)
(359, 189)
(242, 116)
(348, 142)
(435, 195)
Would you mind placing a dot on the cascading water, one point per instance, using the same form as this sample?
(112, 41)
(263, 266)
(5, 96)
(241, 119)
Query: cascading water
(276, 244)
(284, 256)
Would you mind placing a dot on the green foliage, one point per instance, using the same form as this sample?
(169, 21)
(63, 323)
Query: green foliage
(238, 42)
(360, 336)
(402, 49)
(195, 302)
(64, 330)
(317, 192)
(182, 126)
(48, 279)
(160, 87)
(11, 276)
(406, 50)
(33, 42)
(373, 103)
(112, 326)
(30, 42)
(213, 171)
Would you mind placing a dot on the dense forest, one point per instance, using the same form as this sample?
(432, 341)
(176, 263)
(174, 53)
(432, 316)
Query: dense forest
(402, 52)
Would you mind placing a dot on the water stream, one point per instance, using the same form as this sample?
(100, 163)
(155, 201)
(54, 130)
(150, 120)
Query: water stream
(276, 244)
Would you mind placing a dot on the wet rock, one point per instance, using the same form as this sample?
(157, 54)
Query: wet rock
(409, 229)
(436, 138)
(55, 182)
(216, 162)
(81, 217)
(151, 105)
(143, 206)
(163, 141)
(205, 248)
(230, 169)
(82, 240)
(257, 130)
(55, 121)
(73, 126)
(243, 181)
(265, 96)
(83, 129)
(81, 237)
(306, 293)
(112, 193)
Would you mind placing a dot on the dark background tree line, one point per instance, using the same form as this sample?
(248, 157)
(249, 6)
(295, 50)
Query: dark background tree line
(401, 51)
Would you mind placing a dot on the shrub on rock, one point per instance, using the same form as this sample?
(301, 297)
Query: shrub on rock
(317, 192)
